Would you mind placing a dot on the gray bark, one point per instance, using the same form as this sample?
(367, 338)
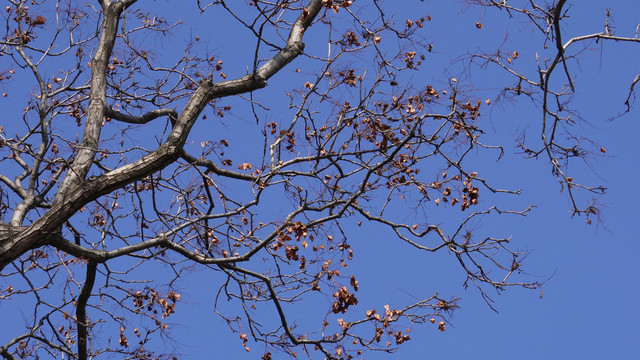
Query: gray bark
(76, 192)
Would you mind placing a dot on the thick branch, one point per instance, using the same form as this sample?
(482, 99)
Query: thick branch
(39, 233)
(293, 48)
(81, 314)
(142, 119)
(97, 103)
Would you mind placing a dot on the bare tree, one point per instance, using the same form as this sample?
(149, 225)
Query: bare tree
(91, 210)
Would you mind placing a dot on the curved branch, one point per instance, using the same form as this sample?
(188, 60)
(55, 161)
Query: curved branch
(81, 310)
(215, 169)
(142, 119)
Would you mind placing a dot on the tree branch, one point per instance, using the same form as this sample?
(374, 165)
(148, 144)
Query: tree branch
(97, 103)
(81, 310)
(142, 119)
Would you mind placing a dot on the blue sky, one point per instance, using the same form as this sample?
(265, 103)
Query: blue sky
(589, 306)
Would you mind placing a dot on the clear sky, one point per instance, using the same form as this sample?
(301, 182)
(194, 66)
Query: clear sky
(587, 306)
